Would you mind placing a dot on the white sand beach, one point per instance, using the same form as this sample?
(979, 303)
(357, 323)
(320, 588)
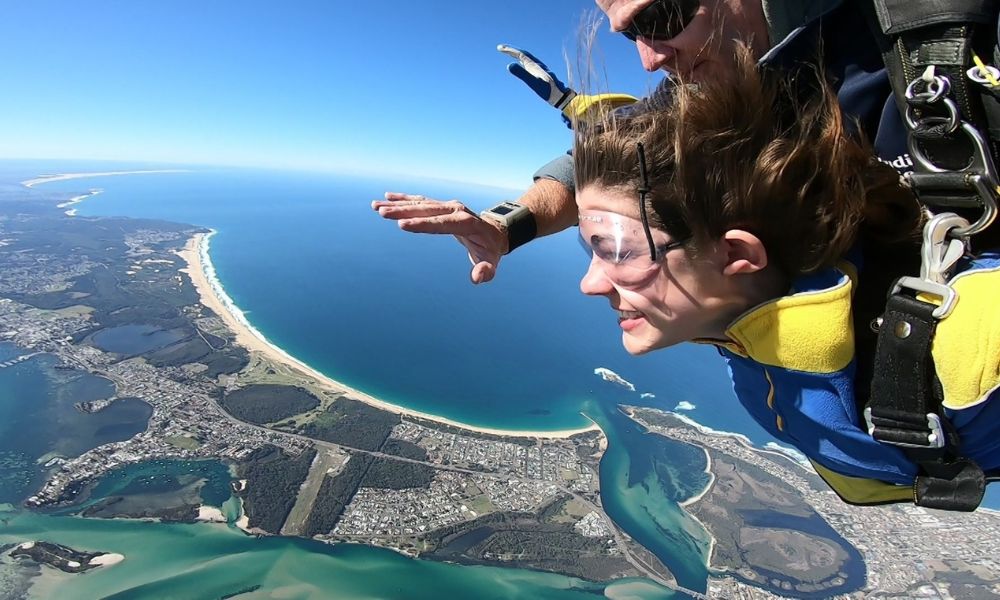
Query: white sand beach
(210, 514)
(64, 176)
(195, 254)
(106, 560)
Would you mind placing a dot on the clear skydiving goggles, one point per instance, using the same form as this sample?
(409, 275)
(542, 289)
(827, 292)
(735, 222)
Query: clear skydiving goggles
(661, 20)
(619, 245)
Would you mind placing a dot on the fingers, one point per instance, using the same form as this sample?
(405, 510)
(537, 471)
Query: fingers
(483, 272)
(424, 215)
(455, 223)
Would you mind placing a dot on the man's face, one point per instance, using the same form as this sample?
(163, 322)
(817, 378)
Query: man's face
(706, 46)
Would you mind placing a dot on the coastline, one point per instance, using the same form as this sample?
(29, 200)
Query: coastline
(213, 296)
(65, 176)
(76, 200)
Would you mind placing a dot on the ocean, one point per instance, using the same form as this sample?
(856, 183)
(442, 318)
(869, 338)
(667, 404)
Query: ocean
(322, 276)
(393, 314)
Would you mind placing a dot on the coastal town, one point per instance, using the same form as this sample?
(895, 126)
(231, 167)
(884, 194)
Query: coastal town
(905, 547)
(145, 313)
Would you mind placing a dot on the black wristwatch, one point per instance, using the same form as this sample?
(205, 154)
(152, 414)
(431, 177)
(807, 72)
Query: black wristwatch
(513, 219)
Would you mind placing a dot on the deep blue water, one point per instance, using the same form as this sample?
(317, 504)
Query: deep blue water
(394, 314)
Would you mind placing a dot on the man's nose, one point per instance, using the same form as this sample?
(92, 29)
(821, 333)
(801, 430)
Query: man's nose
(653, 55)
(595, 282)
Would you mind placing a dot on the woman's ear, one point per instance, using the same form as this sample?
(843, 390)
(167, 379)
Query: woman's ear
(745, 253)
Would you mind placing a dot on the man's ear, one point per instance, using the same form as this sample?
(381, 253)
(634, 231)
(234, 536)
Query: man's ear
(745, 253)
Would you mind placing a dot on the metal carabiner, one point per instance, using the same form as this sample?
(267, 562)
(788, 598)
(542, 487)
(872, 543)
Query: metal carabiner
(981, 175)
(942, 248)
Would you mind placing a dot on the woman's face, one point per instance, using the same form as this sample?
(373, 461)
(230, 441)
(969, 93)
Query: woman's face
(658, 303)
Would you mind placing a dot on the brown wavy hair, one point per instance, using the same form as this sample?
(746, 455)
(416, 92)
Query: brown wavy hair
(760, 151)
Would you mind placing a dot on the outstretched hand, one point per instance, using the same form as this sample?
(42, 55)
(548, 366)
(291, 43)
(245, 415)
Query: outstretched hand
(418, 214)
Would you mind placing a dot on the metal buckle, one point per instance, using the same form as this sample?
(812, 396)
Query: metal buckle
(935, 438)
(945, 294)
(939, 253)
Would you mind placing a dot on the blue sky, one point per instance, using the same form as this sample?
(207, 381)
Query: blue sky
(394, 86)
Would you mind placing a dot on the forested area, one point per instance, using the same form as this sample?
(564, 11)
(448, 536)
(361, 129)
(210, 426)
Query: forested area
(334, 494)
(273, 480)
(267, 403)
(353, 424)
(386, 473)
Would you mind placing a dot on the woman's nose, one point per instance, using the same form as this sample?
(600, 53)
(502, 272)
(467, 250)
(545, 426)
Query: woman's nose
(595, 282)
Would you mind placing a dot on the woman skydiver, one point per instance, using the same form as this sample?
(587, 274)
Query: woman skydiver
(734, 214)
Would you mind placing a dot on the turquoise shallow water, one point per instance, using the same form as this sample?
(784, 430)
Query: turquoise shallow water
(210, 561)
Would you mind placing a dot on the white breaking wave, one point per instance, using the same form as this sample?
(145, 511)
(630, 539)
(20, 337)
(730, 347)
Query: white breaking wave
(709, 431)
(76, 200)
(220, 292)
(611, 376)
(647, 395)
(685, 405)
(790, 453)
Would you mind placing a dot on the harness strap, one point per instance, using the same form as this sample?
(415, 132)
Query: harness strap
(905, 408)
(928, 47)
(945, 35)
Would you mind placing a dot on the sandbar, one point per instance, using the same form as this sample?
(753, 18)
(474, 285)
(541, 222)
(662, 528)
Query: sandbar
(210, 514)
(105, 560)
(195, 254)
(64, 176)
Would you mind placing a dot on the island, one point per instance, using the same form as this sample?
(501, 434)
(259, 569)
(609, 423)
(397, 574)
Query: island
(63, 558)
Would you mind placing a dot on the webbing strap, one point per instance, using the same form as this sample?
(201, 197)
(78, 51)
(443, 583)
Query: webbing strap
(944, 34)
(905, 403)
(955, 485)
(903, 386)
(897, 16)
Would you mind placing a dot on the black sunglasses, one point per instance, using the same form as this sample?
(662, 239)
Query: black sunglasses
(661, 20)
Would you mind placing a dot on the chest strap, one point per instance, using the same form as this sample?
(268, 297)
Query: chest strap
(904, 407)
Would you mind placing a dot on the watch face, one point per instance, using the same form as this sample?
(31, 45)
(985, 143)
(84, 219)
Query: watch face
(501, 210)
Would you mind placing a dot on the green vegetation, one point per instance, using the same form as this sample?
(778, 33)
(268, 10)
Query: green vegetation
(404, 449)
(273, 480)
(386, 473)
(182, 441)
(520, 540)
(481, 504)
(268, 403)
(353, 424)
(335, 494)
